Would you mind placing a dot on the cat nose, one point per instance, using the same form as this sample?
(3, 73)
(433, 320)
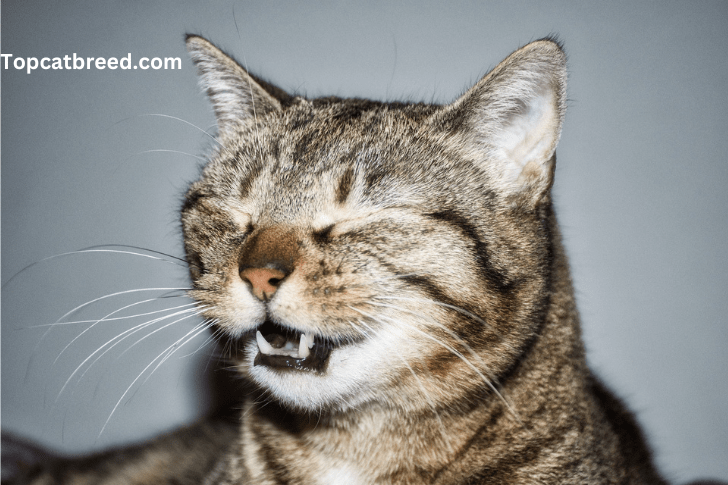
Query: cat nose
(267, 258)
(264, 281)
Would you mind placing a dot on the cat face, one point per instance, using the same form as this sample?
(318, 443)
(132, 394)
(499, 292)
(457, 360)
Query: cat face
(357, 252)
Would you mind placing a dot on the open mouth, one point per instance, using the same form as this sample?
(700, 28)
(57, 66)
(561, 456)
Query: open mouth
(283, 348)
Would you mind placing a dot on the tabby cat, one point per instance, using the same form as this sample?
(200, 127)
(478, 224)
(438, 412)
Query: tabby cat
(390, 279)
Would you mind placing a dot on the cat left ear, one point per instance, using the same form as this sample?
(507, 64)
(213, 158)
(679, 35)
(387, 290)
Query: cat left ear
(511, 120)
(236, 95)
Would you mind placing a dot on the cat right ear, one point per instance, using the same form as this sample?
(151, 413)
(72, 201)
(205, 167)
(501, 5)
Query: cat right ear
(236, 95)
(510, 121)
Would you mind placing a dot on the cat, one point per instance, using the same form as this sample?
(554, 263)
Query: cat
(390, 280)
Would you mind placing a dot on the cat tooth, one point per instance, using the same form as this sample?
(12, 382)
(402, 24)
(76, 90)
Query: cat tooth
(310, 340)
(303, 347)
(289, 346)
(263, 345)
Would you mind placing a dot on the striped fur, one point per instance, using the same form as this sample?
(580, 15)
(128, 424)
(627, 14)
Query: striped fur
(425, 254)
(417, 246)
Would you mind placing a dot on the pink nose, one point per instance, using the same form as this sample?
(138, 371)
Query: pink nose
(263, 280)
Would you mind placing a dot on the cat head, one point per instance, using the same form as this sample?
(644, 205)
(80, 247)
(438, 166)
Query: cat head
(356, 251)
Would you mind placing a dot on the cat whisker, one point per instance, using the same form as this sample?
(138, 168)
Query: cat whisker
(111, 295)
(204, 325)
(261, 402)
(214, 337)
(385, 278)
(118, 338)
(209, 340)
(438, 303)
(113, 342)
(194, 312)
(226, 350)
(432, 320)
(176, 260)
(163, 355)
(99, 321)
(438, 324)
(98, 249)
(113, 319)
(182, 121)
(452, 350)
(424, 392)
(178, 152)
(79, 307)
(363, 333)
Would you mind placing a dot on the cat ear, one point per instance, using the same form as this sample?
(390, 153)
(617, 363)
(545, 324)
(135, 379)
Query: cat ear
(236, 95)
(511, 120)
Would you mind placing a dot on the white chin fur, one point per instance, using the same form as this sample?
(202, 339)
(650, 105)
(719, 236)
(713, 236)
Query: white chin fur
(346, 381)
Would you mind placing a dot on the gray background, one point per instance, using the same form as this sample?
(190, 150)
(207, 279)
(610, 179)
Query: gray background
(640, 191)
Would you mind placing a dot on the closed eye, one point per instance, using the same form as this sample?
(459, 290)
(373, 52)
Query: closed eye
(322, 236)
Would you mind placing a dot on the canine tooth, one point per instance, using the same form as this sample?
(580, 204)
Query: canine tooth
(310, 340)
(263, 344)
(303, 347)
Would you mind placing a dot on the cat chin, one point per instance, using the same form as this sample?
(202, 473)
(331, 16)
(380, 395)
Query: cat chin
(344, 383)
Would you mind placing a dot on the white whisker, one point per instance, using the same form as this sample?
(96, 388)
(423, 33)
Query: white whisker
(195, 312)
(195, 331)
(190, 312)
(110, 344)
(438, 303)
(126, 317)
(210, 339)
(161, 150)
(457, 354)
(95, 249)
(424, 392)
(204, 325)
(94, 324)
(168, 258)
(392, 277)
(185, 122)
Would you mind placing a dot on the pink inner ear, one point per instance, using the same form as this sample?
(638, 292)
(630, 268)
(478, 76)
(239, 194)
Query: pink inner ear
(527, 141)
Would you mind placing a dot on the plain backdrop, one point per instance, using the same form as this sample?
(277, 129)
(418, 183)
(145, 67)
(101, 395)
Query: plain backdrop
(641, 192)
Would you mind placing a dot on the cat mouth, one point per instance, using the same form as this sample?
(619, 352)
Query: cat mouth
(287, 349)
